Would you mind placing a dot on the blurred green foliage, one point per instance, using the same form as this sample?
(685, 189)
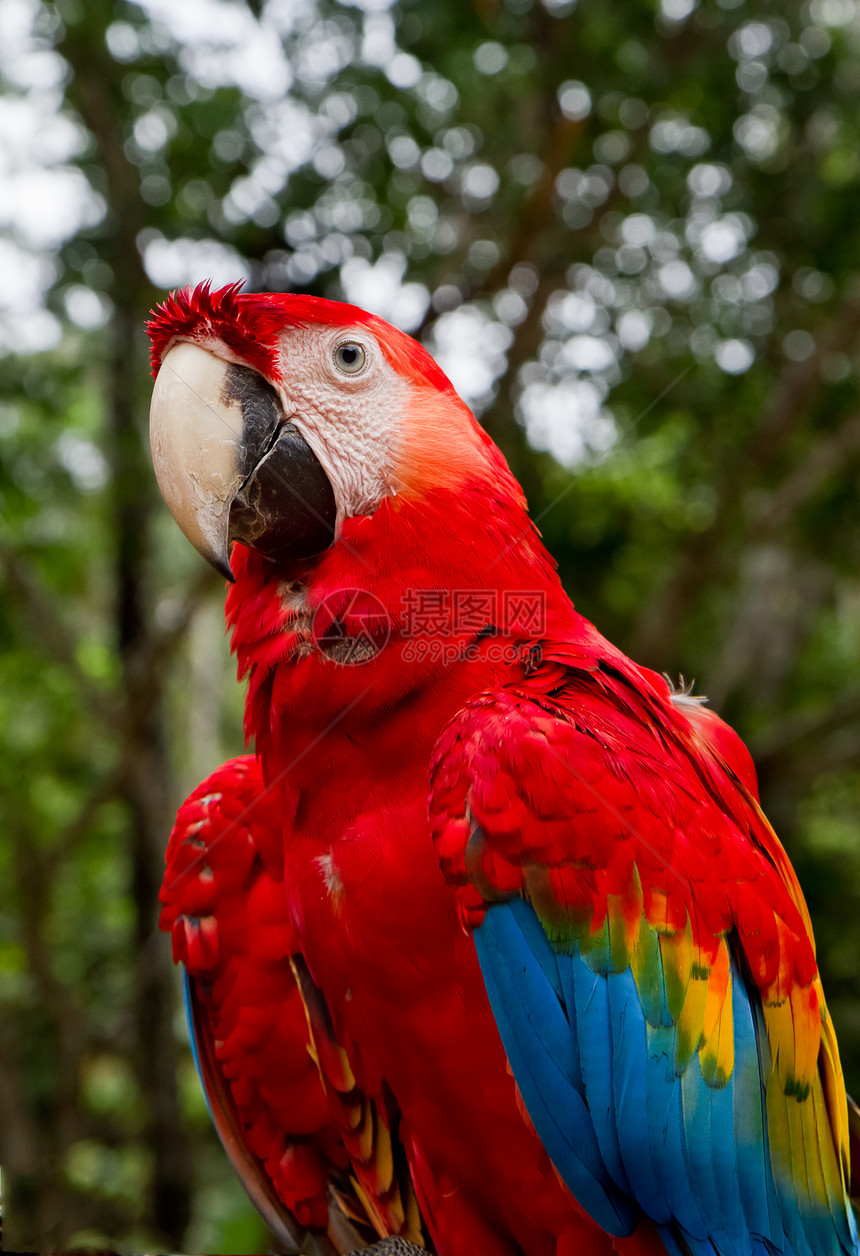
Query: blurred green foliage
(629, 233)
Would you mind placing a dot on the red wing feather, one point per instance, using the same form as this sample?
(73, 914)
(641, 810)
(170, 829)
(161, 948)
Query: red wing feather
(613, 810)
(223, 902)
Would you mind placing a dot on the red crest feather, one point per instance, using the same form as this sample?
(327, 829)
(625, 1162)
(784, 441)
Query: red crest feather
(249, 323)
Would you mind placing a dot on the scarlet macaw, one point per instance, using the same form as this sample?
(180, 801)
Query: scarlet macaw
(555, 968)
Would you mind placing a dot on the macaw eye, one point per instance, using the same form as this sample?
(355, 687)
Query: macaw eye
(349, 357)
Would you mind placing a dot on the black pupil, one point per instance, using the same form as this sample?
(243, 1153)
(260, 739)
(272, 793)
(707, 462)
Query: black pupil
(349, 355)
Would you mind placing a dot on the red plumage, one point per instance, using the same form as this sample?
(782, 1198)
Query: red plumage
(559, 769)
(223, 903)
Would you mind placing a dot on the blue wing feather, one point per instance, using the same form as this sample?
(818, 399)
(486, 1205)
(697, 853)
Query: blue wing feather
(697, 1128)
(628, 1037)
(591, 998)
(665, 1121)
(191, 1023)
(758, 1196)
(627, 1134)
(522, 999)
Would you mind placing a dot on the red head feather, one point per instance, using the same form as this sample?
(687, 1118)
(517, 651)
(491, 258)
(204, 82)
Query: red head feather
(249, 323)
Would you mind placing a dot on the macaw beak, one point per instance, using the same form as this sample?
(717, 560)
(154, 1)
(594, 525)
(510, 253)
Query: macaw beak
(229, 465)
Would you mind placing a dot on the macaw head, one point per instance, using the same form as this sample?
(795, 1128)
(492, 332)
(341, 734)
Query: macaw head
(277, 419)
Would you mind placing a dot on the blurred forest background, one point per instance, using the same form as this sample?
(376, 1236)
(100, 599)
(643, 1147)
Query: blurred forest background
(629, 231)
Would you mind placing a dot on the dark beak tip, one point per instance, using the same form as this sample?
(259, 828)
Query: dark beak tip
(221, 563)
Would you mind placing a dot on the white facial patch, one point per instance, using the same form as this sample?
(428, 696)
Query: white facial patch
(349, 420)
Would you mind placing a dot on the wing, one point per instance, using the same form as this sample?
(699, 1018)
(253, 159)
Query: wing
(369, 1127)
(649, 959)
(223, 902)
